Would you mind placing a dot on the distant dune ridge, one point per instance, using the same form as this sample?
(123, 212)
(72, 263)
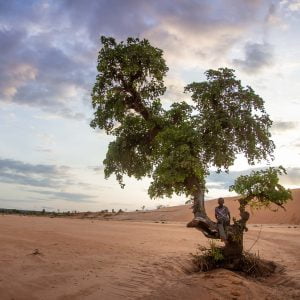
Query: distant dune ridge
(183, 213)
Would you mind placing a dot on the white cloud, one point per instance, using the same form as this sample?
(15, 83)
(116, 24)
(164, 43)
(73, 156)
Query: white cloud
(292, 5)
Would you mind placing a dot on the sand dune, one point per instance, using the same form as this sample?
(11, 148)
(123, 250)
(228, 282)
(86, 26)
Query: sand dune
(96, 259)
(183, 213)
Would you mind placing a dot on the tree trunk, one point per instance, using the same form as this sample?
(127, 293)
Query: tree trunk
(233, 249)
(234, 245)
(235, 235)
(201, 221)
(198, 206)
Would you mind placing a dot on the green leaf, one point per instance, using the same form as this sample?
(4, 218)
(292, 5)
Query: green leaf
(262, 188)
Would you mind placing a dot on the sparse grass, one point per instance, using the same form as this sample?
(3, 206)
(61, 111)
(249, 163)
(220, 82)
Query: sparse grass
(249, 264)
(207, 259)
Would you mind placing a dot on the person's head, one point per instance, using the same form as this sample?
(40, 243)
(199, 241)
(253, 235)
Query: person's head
(221, 201)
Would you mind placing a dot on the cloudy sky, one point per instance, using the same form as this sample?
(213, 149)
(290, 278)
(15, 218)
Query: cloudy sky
(49, 156)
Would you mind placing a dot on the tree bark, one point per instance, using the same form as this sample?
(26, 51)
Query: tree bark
(201, 221)
(198, 204)
(235, 236)
(234, 245)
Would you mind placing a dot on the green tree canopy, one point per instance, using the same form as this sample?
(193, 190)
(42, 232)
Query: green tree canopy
(175, 146)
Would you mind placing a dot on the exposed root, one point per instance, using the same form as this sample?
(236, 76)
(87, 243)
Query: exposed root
(249, 264)
(252, 265)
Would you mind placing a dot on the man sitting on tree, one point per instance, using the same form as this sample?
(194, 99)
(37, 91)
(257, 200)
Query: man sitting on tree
(222, 215)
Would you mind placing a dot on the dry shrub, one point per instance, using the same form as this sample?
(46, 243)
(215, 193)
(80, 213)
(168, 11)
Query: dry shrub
(251, 264)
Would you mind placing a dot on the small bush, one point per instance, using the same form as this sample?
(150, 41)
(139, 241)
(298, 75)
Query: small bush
(207, 259)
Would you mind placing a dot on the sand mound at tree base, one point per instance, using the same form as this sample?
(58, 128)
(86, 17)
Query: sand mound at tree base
(249, 264)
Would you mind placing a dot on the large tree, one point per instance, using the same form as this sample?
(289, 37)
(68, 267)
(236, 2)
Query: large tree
(177, 147)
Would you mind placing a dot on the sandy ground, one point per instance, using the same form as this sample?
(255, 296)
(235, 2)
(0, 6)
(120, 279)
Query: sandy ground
(93, 259)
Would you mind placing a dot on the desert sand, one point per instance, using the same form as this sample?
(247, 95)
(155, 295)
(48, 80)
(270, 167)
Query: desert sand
(65, 258)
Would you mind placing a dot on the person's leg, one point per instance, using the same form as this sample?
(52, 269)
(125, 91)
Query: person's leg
(225, 225)
(222, 231)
